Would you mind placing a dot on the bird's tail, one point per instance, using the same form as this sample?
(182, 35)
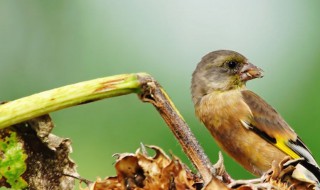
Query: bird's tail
(307, 172)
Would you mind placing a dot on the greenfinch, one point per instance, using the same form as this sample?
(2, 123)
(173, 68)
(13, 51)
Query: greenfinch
(243, 124)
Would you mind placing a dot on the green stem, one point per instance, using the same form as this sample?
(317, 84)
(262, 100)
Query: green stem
(141, 83)
(56, 99)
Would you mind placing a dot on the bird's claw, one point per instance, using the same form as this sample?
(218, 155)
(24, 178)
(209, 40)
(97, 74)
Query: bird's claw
(254, 184)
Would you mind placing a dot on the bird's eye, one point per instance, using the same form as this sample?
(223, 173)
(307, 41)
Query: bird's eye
(232, 64)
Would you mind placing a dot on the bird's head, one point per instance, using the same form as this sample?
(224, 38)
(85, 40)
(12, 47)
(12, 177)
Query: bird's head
(222, 70)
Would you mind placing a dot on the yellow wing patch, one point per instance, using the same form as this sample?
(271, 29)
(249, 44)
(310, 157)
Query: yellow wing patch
(284, 147)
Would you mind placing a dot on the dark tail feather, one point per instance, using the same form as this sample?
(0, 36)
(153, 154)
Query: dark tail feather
(315, 170)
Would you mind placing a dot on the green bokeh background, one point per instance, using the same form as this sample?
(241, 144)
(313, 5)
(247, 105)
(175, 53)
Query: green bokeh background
(47, 44)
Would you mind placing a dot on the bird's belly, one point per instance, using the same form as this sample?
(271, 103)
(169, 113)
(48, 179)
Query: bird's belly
(248, 149)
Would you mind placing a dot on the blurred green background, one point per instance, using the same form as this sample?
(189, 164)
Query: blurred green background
(48, 44)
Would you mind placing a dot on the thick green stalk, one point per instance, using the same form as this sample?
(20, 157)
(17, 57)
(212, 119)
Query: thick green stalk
(56, 99)
(141, 83)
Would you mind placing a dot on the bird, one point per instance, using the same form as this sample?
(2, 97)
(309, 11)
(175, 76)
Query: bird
(244, 125)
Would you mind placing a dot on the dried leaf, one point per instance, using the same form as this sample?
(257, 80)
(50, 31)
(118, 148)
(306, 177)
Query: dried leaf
(140, 171)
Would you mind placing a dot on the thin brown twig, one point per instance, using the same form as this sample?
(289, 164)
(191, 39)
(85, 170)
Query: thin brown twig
(153, 93)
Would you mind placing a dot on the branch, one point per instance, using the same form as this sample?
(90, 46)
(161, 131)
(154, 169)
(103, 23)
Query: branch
(84, 92)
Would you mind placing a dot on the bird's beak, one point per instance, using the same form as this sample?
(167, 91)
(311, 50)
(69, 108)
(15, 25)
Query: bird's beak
(250, 71)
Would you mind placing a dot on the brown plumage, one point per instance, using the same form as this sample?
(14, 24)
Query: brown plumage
(241, 122)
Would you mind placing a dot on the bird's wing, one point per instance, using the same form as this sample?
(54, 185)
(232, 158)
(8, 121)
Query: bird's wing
(268, 123)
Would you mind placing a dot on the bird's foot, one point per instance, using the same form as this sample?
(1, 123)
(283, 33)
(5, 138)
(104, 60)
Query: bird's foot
(279, 169)
(292, 174)
(254, 184)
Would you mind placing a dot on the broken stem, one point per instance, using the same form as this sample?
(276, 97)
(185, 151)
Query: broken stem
(141, 83)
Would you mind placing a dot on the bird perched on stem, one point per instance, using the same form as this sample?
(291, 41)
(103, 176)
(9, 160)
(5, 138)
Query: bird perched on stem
(242, 123)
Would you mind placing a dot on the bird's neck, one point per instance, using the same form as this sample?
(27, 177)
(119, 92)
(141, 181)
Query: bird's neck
(199, 94)
(236, 88)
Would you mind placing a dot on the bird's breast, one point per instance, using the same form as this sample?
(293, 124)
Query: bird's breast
(217, 108)
(222, 113)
